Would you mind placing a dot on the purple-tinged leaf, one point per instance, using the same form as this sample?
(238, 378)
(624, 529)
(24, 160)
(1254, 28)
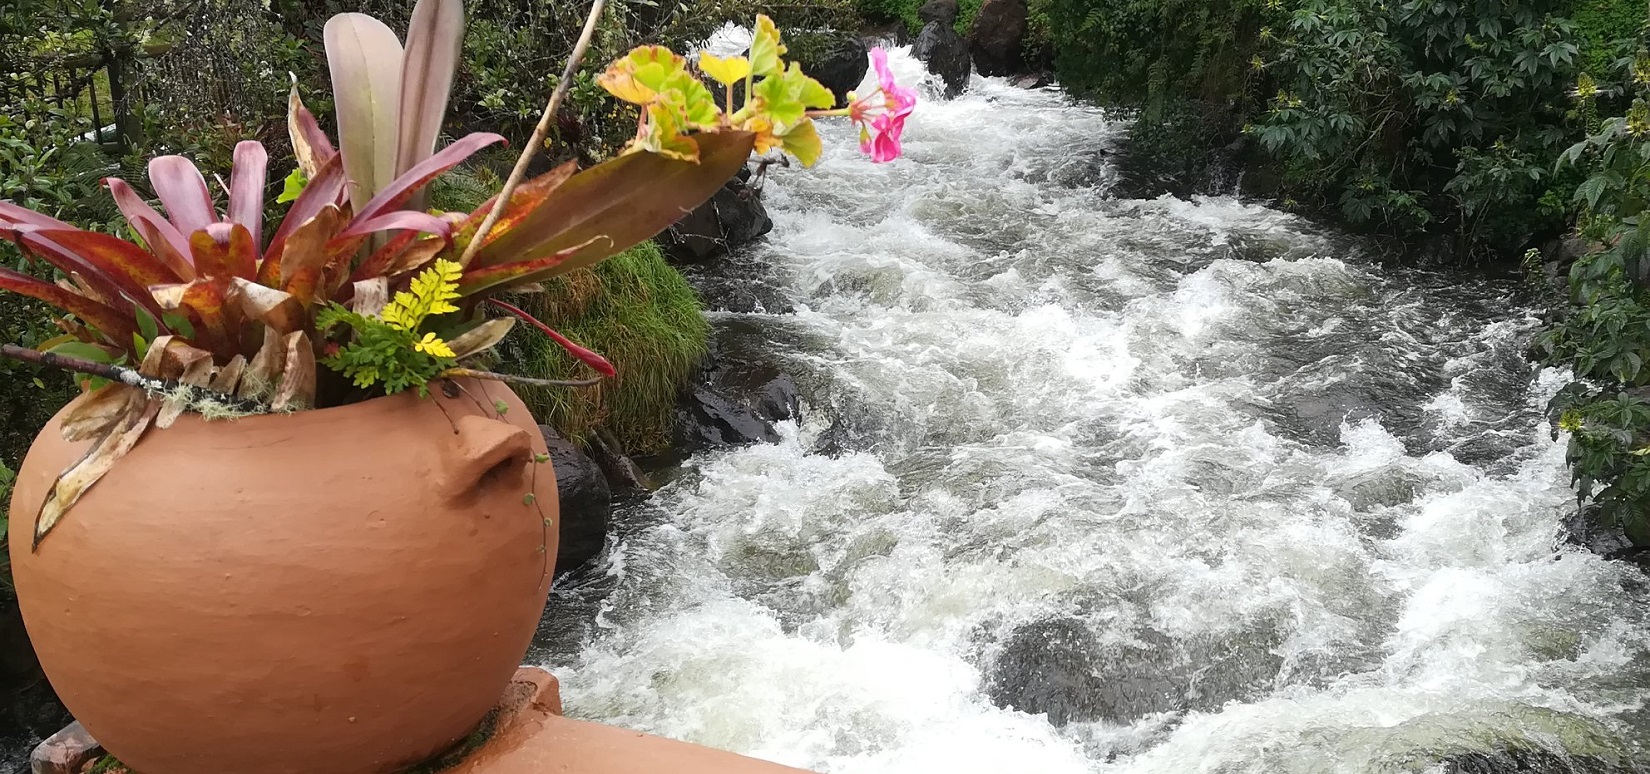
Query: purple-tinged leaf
(585, 356)
(627, 200)
(325, 189)
(183, 191)
(399, 219)
(435, 39)
(365, 59)
(12, 215)
(164, 239)
(246, 188)
(399, 191)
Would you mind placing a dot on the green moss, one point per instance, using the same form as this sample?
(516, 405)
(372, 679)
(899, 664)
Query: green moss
(638, 312)
(109, 764)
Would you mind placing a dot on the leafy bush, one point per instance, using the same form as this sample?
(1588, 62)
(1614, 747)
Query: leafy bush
(906, 11)
(1409, 117)
(1605, 340)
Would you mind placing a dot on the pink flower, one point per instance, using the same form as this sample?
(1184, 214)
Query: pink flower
(882, 121)
(896, 98)
(883, 146)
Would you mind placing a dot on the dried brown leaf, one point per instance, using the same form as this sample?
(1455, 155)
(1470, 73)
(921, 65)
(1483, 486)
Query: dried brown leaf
(74, 482)
(297, 389)
(482, 337)
(92, 414)
(228, 378)
(371, 296)
(263, 374)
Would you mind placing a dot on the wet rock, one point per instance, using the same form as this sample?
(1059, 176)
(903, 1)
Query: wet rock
(1049, 668)
(777, 400)
(586, 502)
(741, 282)
(734, 216)
(708, 419)
(997, 39)
(625, 479)
(942, 11)
(946, 54)
(1058, 667)
(838, 60)
(1529, 761)
(1607, 538)
(29, 708)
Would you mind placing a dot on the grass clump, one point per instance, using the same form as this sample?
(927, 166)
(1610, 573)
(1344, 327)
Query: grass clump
(638, 312)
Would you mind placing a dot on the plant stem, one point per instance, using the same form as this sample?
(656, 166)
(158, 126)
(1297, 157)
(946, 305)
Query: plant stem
(459, 373)
(126, 376)
(539, 133)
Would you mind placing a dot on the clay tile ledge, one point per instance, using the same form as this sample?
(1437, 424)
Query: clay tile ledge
(528, 736)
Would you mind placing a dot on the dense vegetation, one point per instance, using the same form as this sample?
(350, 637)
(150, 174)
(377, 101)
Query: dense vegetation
(1415, 118)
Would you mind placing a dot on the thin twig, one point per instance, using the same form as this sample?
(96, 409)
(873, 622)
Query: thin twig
(460, 373)
(127, 376)
(539, 133)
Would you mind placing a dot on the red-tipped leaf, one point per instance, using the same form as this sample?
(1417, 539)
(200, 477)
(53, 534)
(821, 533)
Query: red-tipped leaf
(585, 356)
(526, 198)
(113, 256)
(325, 189)
(482, 278)
(398, 220)
(311, 145)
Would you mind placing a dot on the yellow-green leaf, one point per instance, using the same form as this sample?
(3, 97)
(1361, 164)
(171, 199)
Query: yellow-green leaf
(726, 71)
(802, 141)
(766, 47)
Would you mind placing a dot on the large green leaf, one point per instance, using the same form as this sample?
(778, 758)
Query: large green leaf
(615, 205)
(435, 37)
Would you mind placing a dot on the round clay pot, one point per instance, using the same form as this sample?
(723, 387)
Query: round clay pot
(343, 591)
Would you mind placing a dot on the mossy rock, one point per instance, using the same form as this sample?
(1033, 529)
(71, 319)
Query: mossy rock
(639, 313)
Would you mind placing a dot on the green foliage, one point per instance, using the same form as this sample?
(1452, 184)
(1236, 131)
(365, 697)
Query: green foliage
(906, 11)
(387, 349)
(1423, 111)
(643, 316)
(1141, 52)
(1407, 117)
(1605, 340)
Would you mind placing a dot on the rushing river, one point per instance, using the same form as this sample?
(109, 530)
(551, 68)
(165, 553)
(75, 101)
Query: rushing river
(1201, 484)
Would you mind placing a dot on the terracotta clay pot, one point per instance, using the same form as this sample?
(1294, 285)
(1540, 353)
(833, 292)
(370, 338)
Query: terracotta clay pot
(344, 591)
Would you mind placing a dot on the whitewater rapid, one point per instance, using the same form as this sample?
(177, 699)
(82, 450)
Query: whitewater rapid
(1298, 511)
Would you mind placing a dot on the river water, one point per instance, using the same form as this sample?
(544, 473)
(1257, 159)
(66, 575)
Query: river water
(1088, 484)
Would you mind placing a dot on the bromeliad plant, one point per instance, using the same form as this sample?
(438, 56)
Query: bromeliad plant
(202, 311)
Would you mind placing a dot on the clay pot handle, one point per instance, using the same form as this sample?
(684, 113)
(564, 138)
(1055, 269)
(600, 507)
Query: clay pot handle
(484, 450)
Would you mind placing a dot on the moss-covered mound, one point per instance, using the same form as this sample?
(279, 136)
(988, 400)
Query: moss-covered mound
(638, 312)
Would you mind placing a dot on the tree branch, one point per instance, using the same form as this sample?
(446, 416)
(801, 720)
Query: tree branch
(127, 376)
(539, 133)
(460, 373)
